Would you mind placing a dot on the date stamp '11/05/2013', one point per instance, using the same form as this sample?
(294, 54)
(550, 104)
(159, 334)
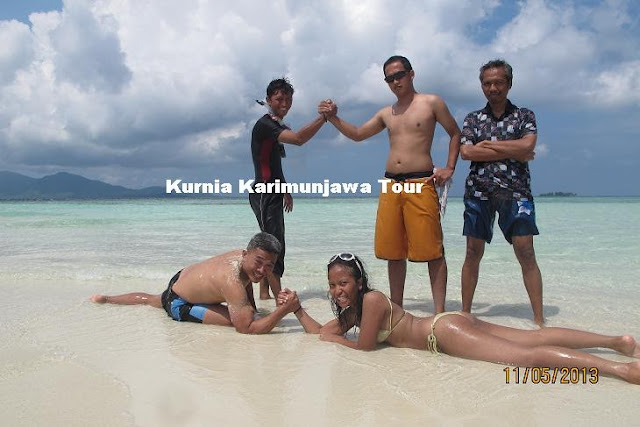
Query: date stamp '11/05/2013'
(537, 375)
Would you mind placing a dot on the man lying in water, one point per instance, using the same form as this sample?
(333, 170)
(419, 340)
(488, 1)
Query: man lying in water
(197, 292)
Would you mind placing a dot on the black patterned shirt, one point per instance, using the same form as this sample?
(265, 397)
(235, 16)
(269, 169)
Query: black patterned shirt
(488, 179)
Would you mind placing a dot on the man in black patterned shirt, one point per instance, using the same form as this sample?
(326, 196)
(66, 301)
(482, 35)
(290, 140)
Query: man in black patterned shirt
(499, 140)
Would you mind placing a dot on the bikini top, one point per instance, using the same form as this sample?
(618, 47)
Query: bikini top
(383, 334)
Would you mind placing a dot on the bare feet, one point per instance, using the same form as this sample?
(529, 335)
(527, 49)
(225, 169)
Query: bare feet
(264, 289)
(100, 299)
(628, 346)
(633, 375)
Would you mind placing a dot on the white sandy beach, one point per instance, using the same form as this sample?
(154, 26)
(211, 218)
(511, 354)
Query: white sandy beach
(67, 361)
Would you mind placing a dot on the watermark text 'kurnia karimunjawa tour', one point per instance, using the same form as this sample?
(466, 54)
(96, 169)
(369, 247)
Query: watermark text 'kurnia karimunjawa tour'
(325, 188)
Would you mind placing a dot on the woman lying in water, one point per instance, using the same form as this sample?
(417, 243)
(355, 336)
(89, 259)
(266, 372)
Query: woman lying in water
(454, 333)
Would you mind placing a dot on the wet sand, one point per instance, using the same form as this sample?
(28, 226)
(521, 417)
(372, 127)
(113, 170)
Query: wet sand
(67, 361)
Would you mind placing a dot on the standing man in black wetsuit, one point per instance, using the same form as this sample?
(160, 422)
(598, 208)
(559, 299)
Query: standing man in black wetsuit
(267, 151)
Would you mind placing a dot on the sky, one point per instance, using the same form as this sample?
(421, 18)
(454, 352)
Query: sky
(137, 92)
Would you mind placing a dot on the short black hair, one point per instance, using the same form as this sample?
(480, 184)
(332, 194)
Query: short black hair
(498, 63)
(282, 84)
(395, 58)
(265, 241)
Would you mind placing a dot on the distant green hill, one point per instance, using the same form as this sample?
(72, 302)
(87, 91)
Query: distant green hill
(66, 186)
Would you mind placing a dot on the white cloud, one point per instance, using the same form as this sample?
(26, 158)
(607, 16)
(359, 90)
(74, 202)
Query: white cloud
(15, 49)
(108, 82)
(618, 87)
(542, 150)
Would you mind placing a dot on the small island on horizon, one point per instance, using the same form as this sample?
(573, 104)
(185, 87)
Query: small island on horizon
(557, 194)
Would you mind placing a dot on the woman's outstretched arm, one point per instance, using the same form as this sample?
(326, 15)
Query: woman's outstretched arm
(311, 325)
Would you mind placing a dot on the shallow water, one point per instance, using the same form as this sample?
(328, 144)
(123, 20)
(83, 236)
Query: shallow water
(66, 360)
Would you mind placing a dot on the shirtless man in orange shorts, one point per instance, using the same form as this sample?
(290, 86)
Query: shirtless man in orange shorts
(408, 224)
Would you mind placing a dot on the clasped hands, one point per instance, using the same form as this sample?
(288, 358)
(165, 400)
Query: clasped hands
(287, 296)
(289, 299)
(327, 108)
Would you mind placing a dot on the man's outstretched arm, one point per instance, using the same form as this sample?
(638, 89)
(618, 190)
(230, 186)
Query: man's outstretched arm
(242, 316)
(356, 133)
(303, 135)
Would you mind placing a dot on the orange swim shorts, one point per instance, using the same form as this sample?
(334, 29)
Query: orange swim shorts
(408, 224)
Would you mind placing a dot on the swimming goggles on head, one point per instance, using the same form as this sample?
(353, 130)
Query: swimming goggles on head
(348, 257)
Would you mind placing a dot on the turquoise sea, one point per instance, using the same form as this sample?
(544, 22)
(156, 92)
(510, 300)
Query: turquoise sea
(588, 249)
(68, 361)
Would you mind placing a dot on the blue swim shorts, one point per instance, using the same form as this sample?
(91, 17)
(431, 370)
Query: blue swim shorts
(515, 218)
(178, 308)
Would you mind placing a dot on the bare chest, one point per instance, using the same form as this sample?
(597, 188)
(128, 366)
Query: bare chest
(414, 121)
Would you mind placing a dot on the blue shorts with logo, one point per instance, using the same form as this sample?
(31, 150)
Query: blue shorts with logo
(515, 218)
(178, 308)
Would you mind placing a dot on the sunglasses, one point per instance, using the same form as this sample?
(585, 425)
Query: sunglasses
(397, 76)
(348, 257)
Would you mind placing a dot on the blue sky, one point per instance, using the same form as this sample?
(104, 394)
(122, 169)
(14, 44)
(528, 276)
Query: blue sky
(20, 10)
(136, 92)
